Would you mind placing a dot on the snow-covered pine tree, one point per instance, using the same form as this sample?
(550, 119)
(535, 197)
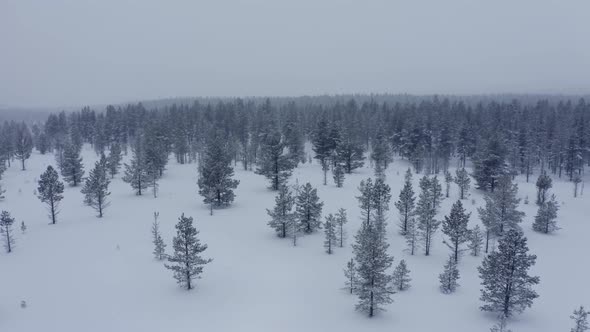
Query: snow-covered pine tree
(454, 226)
(114, 159)
(406, 203)
(506, 202)
(448, 278)
(159, 245)
(216, 184)
(23, 227)
(72, 169)
(544, 183)
(366, 200)
(322, 146)
(2, 191)
(428, 204)
(308, 209)
(448, 180)
(380, 199)
(401, 276)
(546, 218)
(507, 286)
(23, 143)
(350, 274)
(463, 182)
(330, 233)
(281, 215)
(475, 241)
(6, 222)
(349, 153)
(96, 187)
(186, 262)
(412, 236)
(341, 220)
(489, 163)
(274, 164)
(580, 318)
(136, 173)
(374, 287)
(338, 174)
(294, 139)
(50, 191)
(381, 151)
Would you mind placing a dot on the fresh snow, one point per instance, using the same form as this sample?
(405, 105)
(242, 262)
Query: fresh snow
(90, 274)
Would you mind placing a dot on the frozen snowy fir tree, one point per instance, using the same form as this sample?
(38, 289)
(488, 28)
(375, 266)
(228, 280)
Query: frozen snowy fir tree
(330, 238)
(50, 191)
(72, 168)
(350, 275)
(308, 209)
(136, 172)
(159, 244)
(186, 261)
(449, 277)
(401, 276)
(546, 218)
(507, 285)
(463, 182)
(406, 203)
(476, 240)
(274, 164)
(454, 226)
(216, 183)
(6, 222)
(96, 187)
(282, 215)
(341, 220)
(428, 204)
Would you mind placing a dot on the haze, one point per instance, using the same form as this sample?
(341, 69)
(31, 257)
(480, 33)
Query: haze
(60, 53)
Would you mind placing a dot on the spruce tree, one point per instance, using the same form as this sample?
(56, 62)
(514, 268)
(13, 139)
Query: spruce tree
(463, 182)
(544, 183)
(23, 144)
(580, 318)
(349, 153)
(330, 233)
(341, 220)
(475, 241)
(506, 203)
(50, 191)
(281, 215)
(381, 153)
(23, 227)
(350, 274)
(507, 286)
(401, 276)
(72, 169)
(186, 262)
(159, 245)
(338, 174)
(216, 184)
(323, 146)
(136, 173)
(274, 164)
(406, 203)
(96, 187)
(454, 227)
(489, 163)
(6, 222)
(114, 159)
(448, 180)
(428, 204)
(374, 288)
(380, 198)
(308, 209)
(546, 218)
(366, 200)
(412, 236)
(448, 278)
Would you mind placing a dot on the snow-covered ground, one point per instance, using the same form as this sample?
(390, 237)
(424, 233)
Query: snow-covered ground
(91, 274)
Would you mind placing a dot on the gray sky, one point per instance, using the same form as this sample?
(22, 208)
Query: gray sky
(65, 53)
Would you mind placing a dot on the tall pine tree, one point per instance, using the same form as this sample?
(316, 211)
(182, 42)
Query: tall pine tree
(50, 191)
(96, 187)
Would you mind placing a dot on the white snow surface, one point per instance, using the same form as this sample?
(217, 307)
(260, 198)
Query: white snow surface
(90, 274)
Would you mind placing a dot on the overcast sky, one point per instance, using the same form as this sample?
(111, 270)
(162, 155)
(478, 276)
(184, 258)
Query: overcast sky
(65, 53)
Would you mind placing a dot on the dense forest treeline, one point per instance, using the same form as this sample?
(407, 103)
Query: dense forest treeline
(495, 137)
